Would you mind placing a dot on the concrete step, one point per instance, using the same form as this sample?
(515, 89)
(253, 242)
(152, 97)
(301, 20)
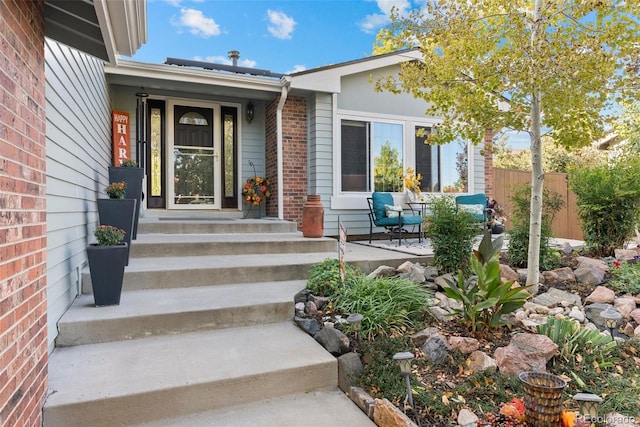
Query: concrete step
(139, 381)
(166, 245)
(148, 313)
(320, 408)
(199, 225)
(188, 271)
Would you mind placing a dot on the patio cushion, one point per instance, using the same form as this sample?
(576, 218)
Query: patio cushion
(379, 201)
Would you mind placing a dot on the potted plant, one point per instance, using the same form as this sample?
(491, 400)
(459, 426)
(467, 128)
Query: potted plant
(118, 211)
(107, 259)
(132, 175)
(497, 217)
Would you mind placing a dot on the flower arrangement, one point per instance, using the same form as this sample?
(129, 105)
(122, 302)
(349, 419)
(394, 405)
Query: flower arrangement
(412, 181)
(256, 190)
(108, 235)
(116, 190)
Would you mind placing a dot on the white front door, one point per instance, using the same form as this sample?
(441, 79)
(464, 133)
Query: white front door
(194, 160)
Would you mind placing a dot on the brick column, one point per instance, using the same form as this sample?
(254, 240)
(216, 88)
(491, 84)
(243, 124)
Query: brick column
(23, 304)
(488, 163)
(295, 157)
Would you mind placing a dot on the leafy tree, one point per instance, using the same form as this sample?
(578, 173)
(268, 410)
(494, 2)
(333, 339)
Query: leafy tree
(518, 64)
(387, 169)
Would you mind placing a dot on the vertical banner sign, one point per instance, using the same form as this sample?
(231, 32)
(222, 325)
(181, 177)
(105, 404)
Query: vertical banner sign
(121, 139)
(342, 242)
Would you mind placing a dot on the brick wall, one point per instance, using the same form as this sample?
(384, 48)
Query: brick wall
(23, 316)
(295, 157)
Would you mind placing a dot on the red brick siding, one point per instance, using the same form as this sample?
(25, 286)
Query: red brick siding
(295, 157)
(488, 163)
(23, 304)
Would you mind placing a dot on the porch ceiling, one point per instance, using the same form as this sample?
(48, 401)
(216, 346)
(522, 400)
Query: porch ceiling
(101, 28)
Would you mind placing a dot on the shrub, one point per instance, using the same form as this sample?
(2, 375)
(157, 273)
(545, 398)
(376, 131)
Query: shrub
(608, 199)
(518, 251)
(484, 297)
(324, 278)
(388, 305)
(108, 235)
(452, 233)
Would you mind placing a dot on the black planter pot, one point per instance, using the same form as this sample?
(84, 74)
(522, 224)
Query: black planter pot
(106, 265)
(133, 178)
(119, 213)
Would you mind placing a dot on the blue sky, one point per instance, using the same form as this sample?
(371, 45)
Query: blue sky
(281, 36)
(277, 35)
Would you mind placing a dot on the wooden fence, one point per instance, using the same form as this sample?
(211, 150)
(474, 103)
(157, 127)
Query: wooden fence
(566, 224)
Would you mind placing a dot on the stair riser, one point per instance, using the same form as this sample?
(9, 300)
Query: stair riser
(191, 398)
(139, 250)
(195, 227)
(206, 277)
(125, 328)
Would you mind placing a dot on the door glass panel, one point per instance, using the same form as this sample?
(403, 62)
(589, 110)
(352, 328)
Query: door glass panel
(193, 176)
(155, 141)
(229, 180)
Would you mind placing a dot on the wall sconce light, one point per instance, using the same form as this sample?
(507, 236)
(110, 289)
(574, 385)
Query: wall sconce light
(250, 112)
(404, 361)
(611, 318)
(589, 403)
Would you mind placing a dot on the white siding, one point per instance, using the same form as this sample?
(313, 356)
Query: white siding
(78, 147)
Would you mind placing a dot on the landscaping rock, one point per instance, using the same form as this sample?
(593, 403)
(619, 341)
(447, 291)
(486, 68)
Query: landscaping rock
(577, 314)
(507, 273)
(625, 254)
(440, 313)
(625, 306)
(635, 315)
(565, 298)
(302, 296)
(311, 310)
(436, 348)
(636, 332)
(362, 399)
(382, 271)
(334, 341)
(413, 272)
(558, 276)
(441, 281)
(419, 338)
(597, 263)
(589, 274)
(594, 311)
(299, 307)
(310, 326)
(349, 368)
(525, 352)
(601, 294)
(386, 414)
(320, 302)
(430, 272)
(465, 345)
(466, 418)
(545, 300)
(480, 361)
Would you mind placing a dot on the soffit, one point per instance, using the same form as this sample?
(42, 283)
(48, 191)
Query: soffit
(101, 28)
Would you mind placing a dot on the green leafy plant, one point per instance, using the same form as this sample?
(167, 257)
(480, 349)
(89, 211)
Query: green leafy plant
(128, 163)
(387, 304)
(108, 235)
(518, 249)
(626, 277)
(452, 233)
(324, 277)
(608, 199)
(116, 190)
(573, 339)
(485, 298)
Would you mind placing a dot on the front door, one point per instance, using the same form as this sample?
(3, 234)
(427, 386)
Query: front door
(195, 164)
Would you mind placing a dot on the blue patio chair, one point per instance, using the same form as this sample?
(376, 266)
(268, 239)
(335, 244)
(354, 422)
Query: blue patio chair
(383, 213)
(477, 205)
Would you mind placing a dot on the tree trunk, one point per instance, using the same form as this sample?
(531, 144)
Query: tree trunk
(537, 174)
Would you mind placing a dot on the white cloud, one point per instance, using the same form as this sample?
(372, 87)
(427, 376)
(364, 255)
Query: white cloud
(296, 68)
(197, 23)
(281, 26)
(371, 23)
(174, 3)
